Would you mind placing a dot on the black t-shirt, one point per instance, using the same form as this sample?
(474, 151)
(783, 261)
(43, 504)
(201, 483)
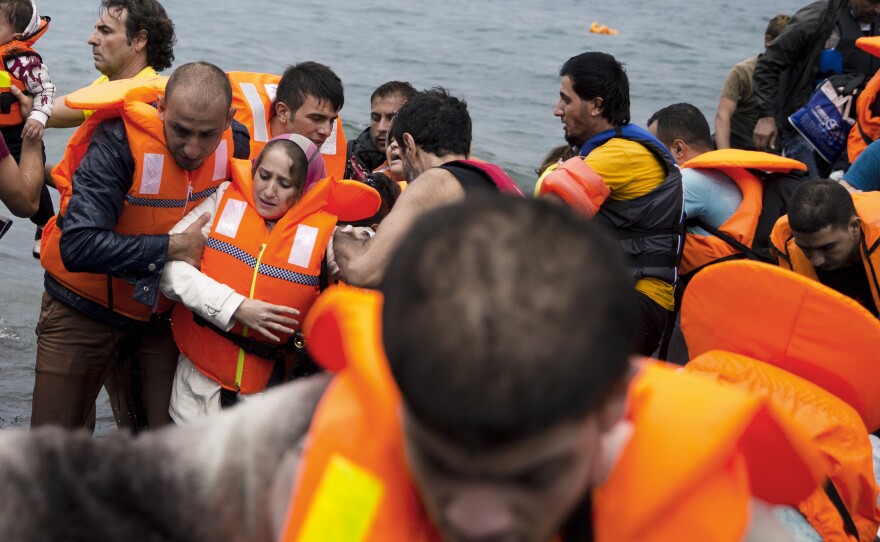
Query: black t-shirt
(472, 179)
(851, 281)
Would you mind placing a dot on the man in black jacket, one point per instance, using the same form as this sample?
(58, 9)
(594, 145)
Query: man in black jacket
(367, 153)
(789, 71)
(113, 232)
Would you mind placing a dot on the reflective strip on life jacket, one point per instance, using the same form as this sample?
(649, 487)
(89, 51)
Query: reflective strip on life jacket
(160, 194)
(281, 266)
(736, 447)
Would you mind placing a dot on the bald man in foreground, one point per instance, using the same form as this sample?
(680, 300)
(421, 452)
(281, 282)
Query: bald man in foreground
(145, 167)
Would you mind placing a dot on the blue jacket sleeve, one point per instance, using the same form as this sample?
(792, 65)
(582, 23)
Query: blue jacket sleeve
(89, 242)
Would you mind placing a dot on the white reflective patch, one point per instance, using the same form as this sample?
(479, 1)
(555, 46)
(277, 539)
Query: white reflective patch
(303, 245)
(329, 146)
(231, 217)
(151, 177)
(271, 90)
(221, 162)
(258, 111)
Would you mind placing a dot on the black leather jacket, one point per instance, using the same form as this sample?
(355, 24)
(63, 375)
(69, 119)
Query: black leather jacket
(785, 76)
(89, 242)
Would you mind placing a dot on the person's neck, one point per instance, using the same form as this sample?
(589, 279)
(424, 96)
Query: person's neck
(432, 160)
(276, 127)
(130, 71)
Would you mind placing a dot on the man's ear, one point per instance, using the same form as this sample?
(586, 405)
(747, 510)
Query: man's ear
(282, 111)
(160, 106)
(409, 143)
(855, 224)
(678, 148)
(229, 117)
(140, 41)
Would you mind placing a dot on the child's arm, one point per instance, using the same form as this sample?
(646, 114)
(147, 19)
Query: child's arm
(30, 70)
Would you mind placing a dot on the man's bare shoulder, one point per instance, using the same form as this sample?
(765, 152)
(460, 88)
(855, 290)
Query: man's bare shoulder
(434, 187)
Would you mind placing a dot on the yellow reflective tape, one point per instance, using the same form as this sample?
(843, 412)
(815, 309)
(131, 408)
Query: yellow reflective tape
(344, 504)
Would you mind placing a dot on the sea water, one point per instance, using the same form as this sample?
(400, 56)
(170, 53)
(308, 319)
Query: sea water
(502, 56)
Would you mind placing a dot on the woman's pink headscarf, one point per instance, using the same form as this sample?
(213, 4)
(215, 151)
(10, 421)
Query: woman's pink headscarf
(317, 170)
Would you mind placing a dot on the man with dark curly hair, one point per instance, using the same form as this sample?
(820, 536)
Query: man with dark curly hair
(132, 38)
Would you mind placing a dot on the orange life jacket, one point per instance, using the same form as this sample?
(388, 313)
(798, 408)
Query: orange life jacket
(10, 108)
(792, 257)
(702, 250)
(161, 192)
(867, 126)
(835, 429)
(818, 349)
(353, 482)
(253, 95)
(281, 266)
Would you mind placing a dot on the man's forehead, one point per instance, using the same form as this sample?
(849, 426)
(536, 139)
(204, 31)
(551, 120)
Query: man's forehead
(113, 16)
(560, 439)
(313, 104)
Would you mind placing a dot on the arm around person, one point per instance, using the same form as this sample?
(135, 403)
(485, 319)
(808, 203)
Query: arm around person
(20, 183)
(362, 262)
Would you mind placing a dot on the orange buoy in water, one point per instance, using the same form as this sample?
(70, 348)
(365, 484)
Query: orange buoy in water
(596, 28)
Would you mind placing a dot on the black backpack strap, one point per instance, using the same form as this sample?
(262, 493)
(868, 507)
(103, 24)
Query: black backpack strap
(748, 252)
(848, 524)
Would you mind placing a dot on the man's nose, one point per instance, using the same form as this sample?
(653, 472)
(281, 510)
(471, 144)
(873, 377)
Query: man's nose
(479, 513)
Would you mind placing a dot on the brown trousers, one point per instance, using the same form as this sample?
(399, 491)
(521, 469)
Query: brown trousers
(75, 355)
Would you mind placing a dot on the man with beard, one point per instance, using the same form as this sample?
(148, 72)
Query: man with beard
(624, 177)
(127, 177)
(433, 130)
(366, 154)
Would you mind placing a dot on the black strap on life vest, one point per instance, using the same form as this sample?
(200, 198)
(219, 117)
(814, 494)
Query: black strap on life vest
(303, 364)
(849, 526)
(747, 252)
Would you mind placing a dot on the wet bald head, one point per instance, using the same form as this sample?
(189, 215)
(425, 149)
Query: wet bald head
(201, 84)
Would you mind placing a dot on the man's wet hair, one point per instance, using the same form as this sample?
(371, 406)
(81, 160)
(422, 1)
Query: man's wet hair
(309, 79)
(820, 203)
(202, 80)
(18, 13)
(685, 122)
(600, 75)
(504, 317)
(438, 122)
(776, 25)
(394, 88)
(147, 16)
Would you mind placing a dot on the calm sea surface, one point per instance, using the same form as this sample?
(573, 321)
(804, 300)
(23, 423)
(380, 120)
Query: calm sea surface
(503, 56)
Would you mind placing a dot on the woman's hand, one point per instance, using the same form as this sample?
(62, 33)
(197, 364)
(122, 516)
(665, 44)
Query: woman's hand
(264, 318)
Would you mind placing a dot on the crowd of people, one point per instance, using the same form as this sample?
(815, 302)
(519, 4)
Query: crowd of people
(306, 337)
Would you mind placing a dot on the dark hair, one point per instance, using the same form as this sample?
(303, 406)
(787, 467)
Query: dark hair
(562, 152)
(776, 25)
(201, 80)
(685, 122)
(388, 190)
(438, 122)
(150, 17)
(18, 13)
(820, 203)
(299, 166)
(392, 88)
(505, 316)
(309, 79)
(600, 75)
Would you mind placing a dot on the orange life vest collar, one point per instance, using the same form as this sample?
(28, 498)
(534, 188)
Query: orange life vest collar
(702, 250)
